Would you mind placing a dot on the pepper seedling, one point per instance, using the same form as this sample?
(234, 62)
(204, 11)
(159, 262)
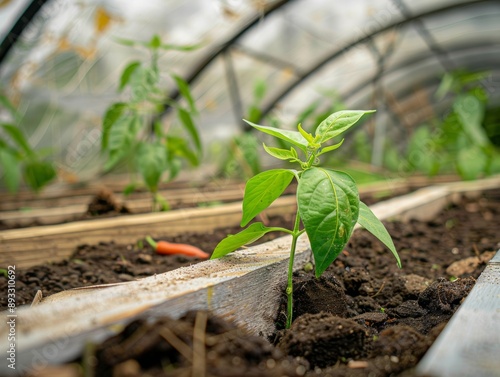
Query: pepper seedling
(327, 200)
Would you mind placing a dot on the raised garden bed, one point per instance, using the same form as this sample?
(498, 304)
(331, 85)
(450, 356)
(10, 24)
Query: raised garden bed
(67, 204)
(383, 306)
(35, 245)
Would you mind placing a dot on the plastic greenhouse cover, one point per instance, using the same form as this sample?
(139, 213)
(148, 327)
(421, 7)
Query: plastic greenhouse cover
(64, 71)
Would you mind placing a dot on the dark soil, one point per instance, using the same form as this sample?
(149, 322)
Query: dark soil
(363, 317)
(105, 203)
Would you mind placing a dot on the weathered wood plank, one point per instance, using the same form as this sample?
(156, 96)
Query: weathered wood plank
(470, 343)
(50, 212)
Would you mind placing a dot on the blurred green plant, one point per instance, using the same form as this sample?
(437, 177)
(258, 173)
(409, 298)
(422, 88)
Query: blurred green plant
(242, 159)
(19, 161)
(460, 141)
(126, 130)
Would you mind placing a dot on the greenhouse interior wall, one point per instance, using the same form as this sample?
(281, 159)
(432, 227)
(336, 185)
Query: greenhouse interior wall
(61, 68)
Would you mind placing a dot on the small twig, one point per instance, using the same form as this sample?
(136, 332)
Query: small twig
(38, 297)
(199, 350)
(89, 360)
(176, 342)
(476, 251)
(380, 289)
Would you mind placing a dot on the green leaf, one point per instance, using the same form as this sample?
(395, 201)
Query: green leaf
(262, 190)
(143, 83)
(445, 86)
(187, 121)
(151, 163)
(112, 114)
(259, 91)
(470, 111)
(371, 223)
(471, 162)
(130, 188)
(121, 138)
(392, 158)
(246, 236)
(331, 148)
(282, 154)
(38, 173)
(246, 153)
(339, 122)
(178, 146)
(306, 135)
(155, 42)
(162, 202)
(422, 152)
(127, 73)
(126, 42)
(180, 47)
(11, 171)
(328, 204)
(254, 113)
(17, 136)
(5, 102)
(175, 166)
(292, 137)
(186, 93)
(122, 132)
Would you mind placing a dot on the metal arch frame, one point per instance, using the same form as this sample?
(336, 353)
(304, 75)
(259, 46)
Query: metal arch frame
(413, 60)
(336, 53)
(22, 22)
(223, 48)
(35, 6)
(404, 93)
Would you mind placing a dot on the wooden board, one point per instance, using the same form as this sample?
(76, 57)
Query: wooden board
(470, 343)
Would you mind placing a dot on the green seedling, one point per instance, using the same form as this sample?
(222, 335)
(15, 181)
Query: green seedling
(463, 141)
(132, 132)
(18, 160)
(328, 200)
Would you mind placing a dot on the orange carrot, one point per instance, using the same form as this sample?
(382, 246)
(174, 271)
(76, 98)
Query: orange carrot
(170, 248)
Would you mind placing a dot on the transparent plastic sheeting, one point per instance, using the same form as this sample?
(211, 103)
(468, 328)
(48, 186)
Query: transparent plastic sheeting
(64, 70)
